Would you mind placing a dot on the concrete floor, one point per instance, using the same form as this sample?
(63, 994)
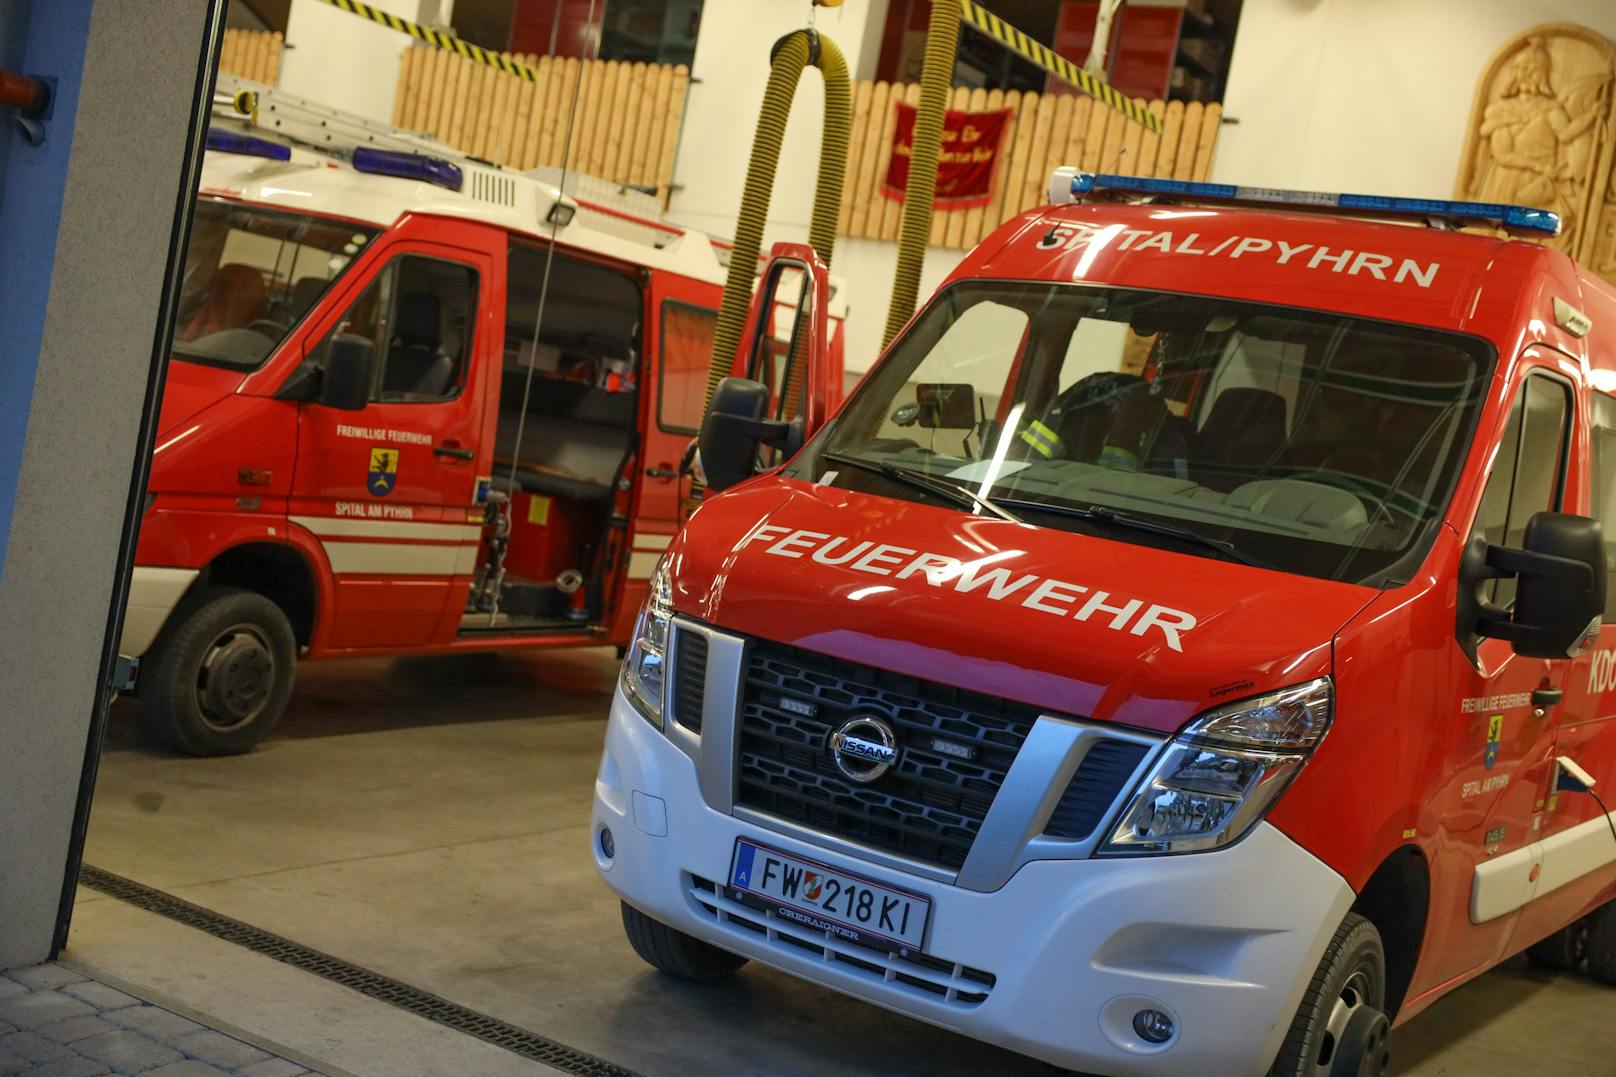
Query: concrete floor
(428, 818)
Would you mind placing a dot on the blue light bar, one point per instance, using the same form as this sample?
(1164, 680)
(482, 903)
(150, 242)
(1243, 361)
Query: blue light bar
(408, 166)
(231, 142)
(1073, 184)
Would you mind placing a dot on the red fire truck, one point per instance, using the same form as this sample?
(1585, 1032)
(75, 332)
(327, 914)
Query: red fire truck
(417, 403)
(1182, 653)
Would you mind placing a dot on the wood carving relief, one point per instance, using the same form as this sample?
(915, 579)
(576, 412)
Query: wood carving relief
(1542, 133)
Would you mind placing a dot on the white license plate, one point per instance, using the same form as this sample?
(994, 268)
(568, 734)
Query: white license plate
(824, 899)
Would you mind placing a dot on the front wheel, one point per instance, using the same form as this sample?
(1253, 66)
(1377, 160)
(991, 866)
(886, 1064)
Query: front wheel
(1341, 1029)
(674, 952)
(220, 674)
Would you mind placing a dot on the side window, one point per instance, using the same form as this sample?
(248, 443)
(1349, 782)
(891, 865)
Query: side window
(1603, 503)
(1529, 470)
(417, 312)
(687, 345)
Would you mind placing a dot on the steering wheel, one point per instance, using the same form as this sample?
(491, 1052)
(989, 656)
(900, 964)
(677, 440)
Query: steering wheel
(1361, 490)
(267, 327)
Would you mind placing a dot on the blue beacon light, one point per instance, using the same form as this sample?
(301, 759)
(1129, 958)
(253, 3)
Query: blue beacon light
(1515, 218)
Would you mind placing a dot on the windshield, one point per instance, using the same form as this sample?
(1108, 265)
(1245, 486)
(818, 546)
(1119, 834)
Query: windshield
(1305, 441)
(251, 275)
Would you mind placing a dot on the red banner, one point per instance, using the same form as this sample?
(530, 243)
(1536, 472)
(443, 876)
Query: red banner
(965, 168)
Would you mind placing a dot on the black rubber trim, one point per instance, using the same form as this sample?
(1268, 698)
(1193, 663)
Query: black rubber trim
(517, 1040)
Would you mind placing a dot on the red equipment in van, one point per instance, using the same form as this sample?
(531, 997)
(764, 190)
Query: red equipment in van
(417, 403)
(1183, 652)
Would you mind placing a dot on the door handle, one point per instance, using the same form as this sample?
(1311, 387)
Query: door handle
(664, 473)
(1547, 697)
(453, 451)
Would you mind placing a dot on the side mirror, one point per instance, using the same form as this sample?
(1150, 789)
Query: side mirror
(350, 371)
(1559, 593)
(735, 428)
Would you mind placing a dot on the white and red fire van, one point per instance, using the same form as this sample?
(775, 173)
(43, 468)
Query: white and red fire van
(400, 419)
(1182, 653)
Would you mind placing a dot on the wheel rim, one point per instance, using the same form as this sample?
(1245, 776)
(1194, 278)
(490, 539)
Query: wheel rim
(234, 681)
(1355, 1039)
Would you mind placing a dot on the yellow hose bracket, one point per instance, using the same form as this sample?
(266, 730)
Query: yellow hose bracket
(984, 21)
(791, 54)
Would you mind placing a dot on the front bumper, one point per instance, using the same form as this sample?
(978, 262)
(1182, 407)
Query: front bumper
(153, 594)
(1225, 941)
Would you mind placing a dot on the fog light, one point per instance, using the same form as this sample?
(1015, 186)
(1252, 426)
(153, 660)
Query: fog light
(608, 849)
(1153, 1026)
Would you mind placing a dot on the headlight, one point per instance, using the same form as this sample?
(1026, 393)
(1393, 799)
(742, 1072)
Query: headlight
(1222, 774)
(644, 664)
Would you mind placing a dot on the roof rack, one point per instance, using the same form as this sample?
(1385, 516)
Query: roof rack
(1068, 185)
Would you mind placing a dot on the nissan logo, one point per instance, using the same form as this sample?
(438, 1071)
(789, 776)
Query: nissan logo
(864, 748)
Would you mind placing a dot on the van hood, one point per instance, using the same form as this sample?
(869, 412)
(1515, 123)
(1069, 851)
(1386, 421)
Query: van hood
(1079, 625)
(189, 388)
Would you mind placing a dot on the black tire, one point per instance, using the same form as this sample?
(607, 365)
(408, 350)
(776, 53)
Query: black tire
(1601, 949)
(674, 952)
(219, 676)
(1340, 1029)
(1563, 951)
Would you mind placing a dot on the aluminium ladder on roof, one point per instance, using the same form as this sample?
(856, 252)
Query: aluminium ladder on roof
(250, 105)
(315, 125)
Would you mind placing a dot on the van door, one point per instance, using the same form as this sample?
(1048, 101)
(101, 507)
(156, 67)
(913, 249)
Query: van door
(388, 490)
(787, 346)
(682, 315)
(1577, 845)
(1500, 744)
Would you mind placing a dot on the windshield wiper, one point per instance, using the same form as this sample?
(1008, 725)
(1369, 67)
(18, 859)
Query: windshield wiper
(1109, 517)
(948, 491)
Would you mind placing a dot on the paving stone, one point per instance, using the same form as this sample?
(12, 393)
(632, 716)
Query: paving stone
(219, 1049)
(153, 1021)
(272, 1067)
(10, 988)
(71, 1066)
(101, 996)
(127, 1051)
(45, 977)
(75, 1028)
(42, 1008)
(189, 1067)
(33, 1046)
(13, 1063)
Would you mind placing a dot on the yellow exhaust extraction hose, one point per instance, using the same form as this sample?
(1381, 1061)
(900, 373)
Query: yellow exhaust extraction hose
(792, 53)
(914, 233)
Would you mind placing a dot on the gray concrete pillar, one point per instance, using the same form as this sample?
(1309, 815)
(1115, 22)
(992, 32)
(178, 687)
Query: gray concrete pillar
(87, 222)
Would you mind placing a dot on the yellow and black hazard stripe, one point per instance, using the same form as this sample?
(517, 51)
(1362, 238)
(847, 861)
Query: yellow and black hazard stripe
(435, 38)
(984, 21)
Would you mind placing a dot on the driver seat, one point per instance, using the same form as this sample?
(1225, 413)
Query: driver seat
(236, 298)
(417, 365)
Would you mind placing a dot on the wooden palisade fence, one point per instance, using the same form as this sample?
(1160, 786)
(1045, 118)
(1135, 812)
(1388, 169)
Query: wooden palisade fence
(251, 54)
(626, 129)
(1044, 132)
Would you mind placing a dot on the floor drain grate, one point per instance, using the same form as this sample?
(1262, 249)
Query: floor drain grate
(511, 1037)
